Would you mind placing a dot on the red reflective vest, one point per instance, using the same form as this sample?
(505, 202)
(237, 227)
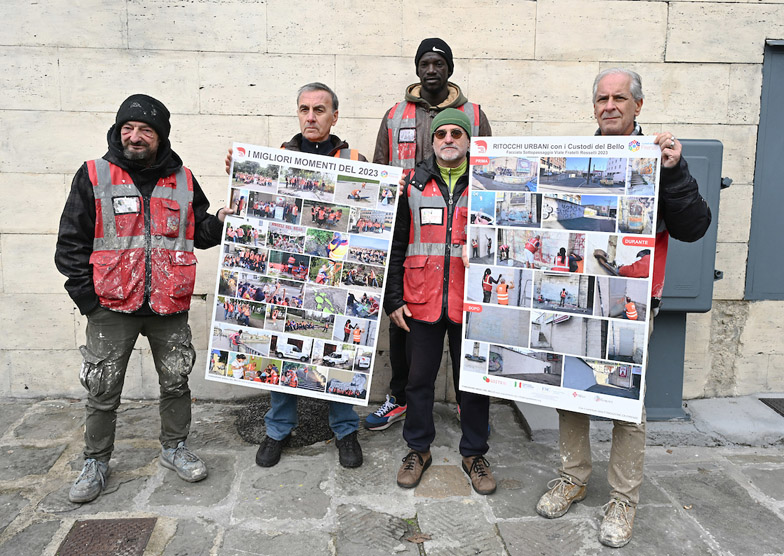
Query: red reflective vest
(132, 255)
(401, 131)
(561, 264)
(532, 244)
(434, 254)
(631, 311)
(486, 284)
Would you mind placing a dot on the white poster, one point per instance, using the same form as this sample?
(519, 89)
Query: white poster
(302, 271)
(561, 248)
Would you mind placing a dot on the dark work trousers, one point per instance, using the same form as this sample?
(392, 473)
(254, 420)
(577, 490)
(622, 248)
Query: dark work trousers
(424, 347)
(110, 340)
(398, 360)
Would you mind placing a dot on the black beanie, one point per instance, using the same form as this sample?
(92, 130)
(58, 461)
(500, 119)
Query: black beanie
(439, 47)
(143, 108)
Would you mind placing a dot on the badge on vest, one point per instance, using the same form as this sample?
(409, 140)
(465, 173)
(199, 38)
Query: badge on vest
(126, 205)
(431, 216)
(406, 135)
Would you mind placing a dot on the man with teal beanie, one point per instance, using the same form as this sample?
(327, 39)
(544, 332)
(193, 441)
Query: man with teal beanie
(424, 297)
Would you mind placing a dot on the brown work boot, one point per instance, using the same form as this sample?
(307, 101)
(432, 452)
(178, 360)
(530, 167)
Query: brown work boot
(481, 477)
(558, 499)
(616, 530)
(414, 464)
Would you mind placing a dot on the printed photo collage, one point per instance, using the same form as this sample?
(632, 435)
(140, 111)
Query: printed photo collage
(301, 278)
(561, 250)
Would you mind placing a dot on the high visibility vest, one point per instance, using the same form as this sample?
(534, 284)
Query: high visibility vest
(561, 264)
(131, 255)
(357, 335)
(486, 285)
(631, 310)
(337, 250)
(352, 154)
(401, 117)
(503, 294)
(532, 245)
(434, 274)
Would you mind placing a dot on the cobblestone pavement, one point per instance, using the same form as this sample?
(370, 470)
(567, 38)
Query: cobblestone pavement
(705, 492)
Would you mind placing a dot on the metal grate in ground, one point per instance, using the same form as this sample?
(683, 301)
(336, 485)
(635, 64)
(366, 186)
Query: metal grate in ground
(776, 404)
(108, 537)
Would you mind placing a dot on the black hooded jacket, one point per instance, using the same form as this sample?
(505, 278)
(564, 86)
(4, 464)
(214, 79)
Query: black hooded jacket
(77, 223)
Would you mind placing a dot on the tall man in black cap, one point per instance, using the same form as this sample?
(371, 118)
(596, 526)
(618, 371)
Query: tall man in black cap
(126, 240)
(429, 243)
(404, 140)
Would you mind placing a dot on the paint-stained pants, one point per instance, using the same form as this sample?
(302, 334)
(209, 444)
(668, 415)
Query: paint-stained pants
(110, 340)
(627, 453)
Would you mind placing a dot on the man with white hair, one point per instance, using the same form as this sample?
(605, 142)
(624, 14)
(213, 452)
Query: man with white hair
(684, 215)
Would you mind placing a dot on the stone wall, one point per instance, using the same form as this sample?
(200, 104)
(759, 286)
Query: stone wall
(229, 69)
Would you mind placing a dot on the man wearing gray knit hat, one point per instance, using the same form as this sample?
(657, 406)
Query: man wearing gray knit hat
(404, 140)
(426, 300)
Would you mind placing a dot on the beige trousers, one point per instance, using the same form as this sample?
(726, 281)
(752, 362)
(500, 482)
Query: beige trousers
(627, 453)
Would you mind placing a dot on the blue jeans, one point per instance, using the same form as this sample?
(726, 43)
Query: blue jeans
(282, 416)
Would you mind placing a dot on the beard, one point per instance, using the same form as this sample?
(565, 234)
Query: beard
(145, 155)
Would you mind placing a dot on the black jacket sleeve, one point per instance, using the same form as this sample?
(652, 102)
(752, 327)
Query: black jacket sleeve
(208, 228)
(393, 296)
(686, 214)
(75, 242)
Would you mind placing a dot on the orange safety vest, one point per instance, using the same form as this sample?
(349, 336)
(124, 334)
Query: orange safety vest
(402, 121)
(631, 310)
(130, 254)
(357, 335)
(503, 294)
(434, 274)
(561, 264)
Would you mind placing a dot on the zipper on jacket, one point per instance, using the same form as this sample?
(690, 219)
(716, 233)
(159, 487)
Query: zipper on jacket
(147, 252)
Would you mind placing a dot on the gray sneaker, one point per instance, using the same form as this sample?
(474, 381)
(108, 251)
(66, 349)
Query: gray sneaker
(188, 465)
(90, 482)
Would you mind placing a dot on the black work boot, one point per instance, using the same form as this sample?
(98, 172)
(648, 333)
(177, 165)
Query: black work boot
(349, 450)
(268, 454)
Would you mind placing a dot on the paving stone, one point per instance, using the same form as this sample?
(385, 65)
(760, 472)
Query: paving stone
(599, 488)
(20, 461)
(544, 536)
(51, 424)
(117, 496)
(363, 532)
(176, 492)
(126, 457)
(457, 528)
(377, 474)
(239, 542)
(10, 504)
(769, 481)
(135, 420)
(11, 412)
(519, 489)
(33, 539)
(443, 481)
(184, 542)
(286, 491)
(715, 500)
(213, 426)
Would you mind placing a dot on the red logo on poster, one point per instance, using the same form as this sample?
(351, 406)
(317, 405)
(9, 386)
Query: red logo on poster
(481, 146)
(241, 152)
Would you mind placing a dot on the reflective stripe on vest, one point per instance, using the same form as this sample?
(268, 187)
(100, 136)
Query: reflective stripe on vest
(631, 311)
(532, 245)
(486, 284)
(403, 116)
(425, 266)
(125, 244)
(561, 264)
(503, 294)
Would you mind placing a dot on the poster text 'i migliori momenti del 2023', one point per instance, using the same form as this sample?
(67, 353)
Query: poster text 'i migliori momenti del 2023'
(301, 275)
(561, 248)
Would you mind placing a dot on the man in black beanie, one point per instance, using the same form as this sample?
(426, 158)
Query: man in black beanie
(404, 140)
(125, 244)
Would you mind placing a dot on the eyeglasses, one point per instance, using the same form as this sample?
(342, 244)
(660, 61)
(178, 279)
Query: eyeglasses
(455, 133)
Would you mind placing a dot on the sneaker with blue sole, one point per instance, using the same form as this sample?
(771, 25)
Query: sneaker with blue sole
(389, 412)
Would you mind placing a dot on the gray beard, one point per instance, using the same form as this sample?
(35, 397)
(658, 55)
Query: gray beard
(146, 157)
